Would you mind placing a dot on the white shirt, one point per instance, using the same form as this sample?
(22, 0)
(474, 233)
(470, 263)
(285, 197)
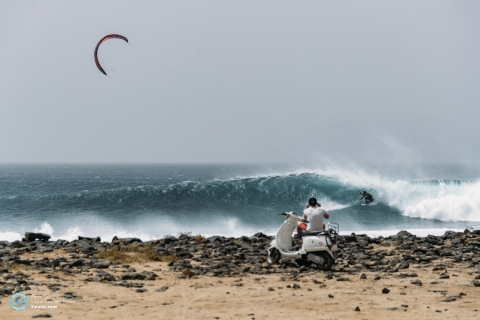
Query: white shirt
(315, 218)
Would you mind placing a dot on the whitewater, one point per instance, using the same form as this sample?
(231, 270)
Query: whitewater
(151, 201)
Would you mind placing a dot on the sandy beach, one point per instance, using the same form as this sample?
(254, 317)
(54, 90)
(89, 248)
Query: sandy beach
(424, 291)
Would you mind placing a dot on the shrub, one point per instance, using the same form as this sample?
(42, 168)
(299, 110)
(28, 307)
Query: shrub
(134, 253)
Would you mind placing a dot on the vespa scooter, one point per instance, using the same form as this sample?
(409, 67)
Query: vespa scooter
(317, 247)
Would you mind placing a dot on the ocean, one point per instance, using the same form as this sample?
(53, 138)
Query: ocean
(150, 201)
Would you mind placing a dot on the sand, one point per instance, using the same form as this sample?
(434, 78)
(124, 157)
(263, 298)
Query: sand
(256, 297)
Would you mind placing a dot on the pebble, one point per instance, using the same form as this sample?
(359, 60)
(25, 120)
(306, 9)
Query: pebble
(449, 299)
(162, 289)
(42, 315)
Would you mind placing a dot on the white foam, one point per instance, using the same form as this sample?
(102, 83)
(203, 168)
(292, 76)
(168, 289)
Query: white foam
(44, 228)
(446, 200)
(10, 236)
(90, 225)
(448, 203)
(228, 227)
(330, 205)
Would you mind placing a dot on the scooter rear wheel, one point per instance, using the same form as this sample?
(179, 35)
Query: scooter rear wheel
(327, 265)
(273, 256)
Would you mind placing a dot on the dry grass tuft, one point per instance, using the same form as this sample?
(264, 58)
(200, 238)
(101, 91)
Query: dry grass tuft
(200, 239)
(134, 253)
(14, 267)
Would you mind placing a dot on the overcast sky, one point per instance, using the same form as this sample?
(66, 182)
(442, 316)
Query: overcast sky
(240, 81)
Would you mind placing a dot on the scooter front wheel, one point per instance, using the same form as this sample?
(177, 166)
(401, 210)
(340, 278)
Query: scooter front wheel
(273, 255)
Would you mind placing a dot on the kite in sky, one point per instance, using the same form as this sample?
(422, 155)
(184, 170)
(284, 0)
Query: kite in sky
(107, 37)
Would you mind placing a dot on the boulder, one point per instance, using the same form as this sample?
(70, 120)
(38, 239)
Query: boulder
(129, 241)
(33, 236)
(18, 244)
(260, 235)
(78, 263)
(96, 239)
(349, 239)
(215, 238)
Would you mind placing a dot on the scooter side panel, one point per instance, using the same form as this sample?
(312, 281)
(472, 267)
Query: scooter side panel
(315, 243)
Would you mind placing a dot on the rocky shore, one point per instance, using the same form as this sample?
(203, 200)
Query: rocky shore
(35, 263)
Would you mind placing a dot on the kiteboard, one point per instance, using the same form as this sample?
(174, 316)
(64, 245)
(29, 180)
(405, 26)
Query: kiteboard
(367, 203)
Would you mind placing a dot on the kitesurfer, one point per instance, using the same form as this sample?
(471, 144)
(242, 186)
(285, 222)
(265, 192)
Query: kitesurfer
(368, 197)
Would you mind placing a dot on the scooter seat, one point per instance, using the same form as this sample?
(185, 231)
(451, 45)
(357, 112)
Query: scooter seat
(312, 233)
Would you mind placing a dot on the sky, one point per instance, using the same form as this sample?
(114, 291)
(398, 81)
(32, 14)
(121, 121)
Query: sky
(240, 81)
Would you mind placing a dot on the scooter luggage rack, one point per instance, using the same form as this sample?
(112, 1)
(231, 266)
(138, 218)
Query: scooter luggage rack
(334, 226)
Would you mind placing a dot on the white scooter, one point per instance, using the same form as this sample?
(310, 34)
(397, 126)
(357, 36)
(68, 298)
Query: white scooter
(317, 248)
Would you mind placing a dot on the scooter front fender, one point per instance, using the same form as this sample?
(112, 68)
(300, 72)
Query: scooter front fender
(273, 244)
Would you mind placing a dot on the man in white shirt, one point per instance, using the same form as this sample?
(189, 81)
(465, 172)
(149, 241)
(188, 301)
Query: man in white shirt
(314, 215)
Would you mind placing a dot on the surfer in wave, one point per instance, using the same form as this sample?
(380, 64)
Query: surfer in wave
(368, 197)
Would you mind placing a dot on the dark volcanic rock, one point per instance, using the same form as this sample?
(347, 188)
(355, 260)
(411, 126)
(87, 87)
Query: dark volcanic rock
(449, 299)
(349, 239)
(133, 276)
(162, 289)
(416, 282)
(95, 239)
(33, 236)
(71, 296)
(128, 241)
(215, 238)
(235, 257)
(78, 263)
(260, 235)
(24, 262)
(46, 249)
(101, 265)
(343, 279)
(385, 290)
(18, 244)
(105, 276)
(42, 315)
